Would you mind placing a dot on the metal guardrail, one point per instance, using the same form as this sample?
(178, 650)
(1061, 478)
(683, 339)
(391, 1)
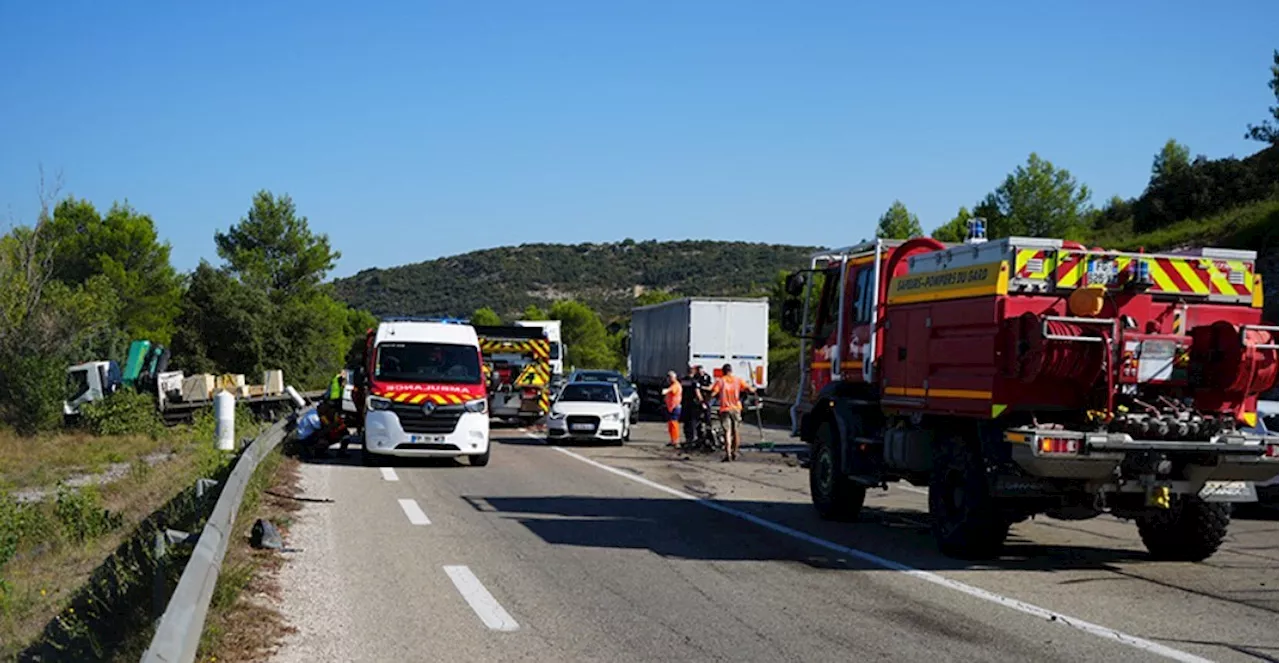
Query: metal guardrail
(178, 634)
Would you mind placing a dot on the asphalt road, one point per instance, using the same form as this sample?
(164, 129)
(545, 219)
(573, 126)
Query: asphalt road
(637, 554)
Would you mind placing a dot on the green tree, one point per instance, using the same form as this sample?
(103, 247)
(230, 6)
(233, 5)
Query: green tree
(1266, 132)
(274, 250)
(1173, 159)
(956, 230)
(124, 247)
(359, 322)
(486, 317)
(532, 312)
(898, 223)
(45, 325)
(584, 335)
(1038, 199)
(222, 325)
(308, 339)
(655, 296)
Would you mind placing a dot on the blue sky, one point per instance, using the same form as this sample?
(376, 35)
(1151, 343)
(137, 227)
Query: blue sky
(408, 131)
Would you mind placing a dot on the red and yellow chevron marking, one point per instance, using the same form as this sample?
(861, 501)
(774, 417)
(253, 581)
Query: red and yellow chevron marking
(539, 348)
(1182, 276)
(1033, 264)
(418, 397)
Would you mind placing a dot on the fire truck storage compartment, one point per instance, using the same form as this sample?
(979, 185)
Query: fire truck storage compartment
(943, 353)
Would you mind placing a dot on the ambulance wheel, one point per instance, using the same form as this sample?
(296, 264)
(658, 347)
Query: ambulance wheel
(834, 494)
(967, 522)
(367, 459)
(1190, 530)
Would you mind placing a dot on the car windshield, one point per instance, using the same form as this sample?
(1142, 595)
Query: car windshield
(589, 393)
(428, 362)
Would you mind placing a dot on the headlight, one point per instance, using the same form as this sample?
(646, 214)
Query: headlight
(613, 416)
(376, 403)
(479, 405)
(557, 416)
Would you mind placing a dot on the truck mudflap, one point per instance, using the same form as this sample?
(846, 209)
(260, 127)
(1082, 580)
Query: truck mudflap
(1099, 457)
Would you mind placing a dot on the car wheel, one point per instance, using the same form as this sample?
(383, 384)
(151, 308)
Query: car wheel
(480, 460)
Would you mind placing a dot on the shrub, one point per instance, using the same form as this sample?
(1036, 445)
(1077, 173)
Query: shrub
(32, 388)
(126, 412)
(81, 515)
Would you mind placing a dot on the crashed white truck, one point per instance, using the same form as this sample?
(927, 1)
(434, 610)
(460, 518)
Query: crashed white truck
(178, 397)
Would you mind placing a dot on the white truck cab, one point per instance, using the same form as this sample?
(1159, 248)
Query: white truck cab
(552, 330)
(426, 391)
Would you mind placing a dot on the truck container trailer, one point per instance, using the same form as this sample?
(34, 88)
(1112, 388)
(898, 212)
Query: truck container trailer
(709, 331)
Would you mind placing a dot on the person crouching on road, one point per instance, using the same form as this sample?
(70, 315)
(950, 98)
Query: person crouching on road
(729, 388)
(672, 397)
(690, 406)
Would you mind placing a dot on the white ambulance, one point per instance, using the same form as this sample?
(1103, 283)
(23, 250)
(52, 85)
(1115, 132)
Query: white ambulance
(426, 392)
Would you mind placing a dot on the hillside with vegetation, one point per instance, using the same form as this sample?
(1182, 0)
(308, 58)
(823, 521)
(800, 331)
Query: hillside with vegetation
(606, 277)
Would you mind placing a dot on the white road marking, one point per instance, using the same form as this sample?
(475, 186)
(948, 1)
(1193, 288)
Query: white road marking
(977, 592)
(481, 601)
(912, 489)
(389, 474)
(414, 512)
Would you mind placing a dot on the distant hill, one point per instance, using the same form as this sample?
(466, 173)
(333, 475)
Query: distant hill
(605, 276)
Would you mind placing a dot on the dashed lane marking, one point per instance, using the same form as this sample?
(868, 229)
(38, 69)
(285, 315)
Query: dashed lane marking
(481, 601)
(389, 474)
(414, 512)
(927, 576)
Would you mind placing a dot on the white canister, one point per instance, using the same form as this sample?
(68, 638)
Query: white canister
(224, 414)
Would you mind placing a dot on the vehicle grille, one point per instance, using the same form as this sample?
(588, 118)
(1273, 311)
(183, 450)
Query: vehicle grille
(574, 419)
(428, 447)
(440, 422)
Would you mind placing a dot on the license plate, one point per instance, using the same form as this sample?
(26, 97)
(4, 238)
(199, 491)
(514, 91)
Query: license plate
(426, 439)
(1228, 491)
(587, 427)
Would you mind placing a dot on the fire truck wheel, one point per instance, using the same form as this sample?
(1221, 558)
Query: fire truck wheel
(966, 521)
(834, 495)
(480, 460)
(1190, 530)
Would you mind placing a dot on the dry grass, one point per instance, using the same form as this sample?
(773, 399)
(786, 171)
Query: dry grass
(49, 570)
(45, 460)
(50, 550)
(243, 624)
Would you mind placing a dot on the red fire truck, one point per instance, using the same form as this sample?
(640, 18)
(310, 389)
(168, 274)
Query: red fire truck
(1029, 376)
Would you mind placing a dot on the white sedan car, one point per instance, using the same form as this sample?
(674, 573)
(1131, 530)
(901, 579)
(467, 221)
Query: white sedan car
(589, 411)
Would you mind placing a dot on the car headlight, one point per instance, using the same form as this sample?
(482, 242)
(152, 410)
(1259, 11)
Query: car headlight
(376, 403)
(555, 416)
(612, 416)
(479, 405)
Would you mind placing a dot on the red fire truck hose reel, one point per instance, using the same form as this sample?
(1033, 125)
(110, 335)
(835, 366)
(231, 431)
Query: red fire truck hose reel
(1235, 359)
(1043, 358)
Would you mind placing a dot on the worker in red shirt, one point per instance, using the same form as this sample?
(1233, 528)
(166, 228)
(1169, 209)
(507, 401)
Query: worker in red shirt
(729, 388)
(672, 397)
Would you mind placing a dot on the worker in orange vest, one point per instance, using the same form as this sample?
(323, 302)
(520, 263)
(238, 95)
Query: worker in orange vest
(729, 388)
(672, 397)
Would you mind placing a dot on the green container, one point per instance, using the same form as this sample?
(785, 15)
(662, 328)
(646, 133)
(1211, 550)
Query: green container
(138, 351)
